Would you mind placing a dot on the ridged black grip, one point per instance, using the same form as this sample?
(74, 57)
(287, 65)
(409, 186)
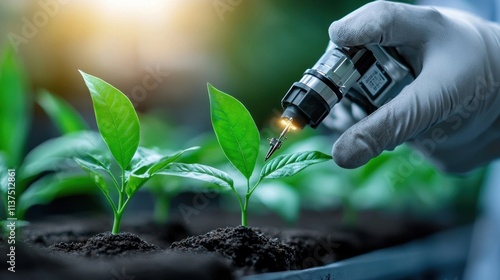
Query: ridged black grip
(304, 106)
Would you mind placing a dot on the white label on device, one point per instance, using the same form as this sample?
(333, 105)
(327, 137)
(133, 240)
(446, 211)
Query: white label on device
(374, 81)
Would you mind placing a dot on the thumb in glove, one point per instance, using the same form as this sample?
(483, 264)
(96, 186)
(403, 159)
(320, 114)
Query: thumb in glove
(455, 58)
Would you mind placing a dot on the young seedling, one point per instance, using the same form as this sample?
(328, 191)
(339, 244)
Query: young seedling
(119, 127)
(239, 139)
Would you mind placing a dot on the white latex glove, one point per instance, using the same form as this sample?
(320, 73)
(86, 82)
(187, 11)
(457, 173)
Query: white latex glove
(451, 111)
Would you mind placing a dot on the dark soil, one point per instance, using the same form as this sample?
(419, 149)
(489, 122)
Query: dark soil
(82, 249)
(161, 235)
(78, 230)
(107, 245)
(248, 249)
(46, 239)
(33, 263)
(313, 248)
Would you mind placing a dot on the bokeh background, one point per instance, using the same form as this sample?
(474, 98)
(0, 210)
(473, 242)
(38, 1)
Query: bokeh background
(162, 53)
(254, 50)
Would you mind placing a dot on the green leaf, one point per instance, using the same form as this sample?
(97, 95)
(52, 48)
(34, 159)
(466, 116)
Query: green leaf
(235, 129)
(143, 159)
(199, 172)
(15, 109)
(97, 178)
(150, 161)
(52, 186)
(290, 164)
(147, 167)
(65, 117)
(165, 161)
(116, 119)
(96, 162)
(57, 153)
(135, 182)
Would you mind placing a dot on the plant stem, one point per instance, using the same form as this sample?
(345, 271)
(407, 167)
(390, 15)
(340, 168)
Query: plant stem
(120, 207)
(117, 222)
(121, 193)
(244, 208)
(244, 212)
(244, 218)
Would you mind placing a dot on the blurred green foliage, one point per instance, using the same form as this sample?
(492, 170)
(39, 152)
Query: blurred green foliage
(61, 113)
(398, 181)
(15, 108)
(37, 180)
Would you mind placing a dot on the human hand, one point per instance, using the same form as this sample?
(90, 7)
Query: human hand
(451, 111)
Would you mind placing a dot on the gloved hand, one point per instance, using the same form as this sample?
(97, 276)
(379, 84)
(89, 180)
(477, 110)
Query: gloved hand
(451, 111)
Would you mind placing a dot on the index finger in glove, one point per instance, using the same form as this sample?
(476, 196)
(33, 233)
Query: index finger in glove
(387, 24)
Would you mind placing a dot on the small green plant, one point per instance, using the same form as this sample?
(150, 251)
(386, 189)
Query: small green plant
(119, 127)
(239, 139)
(38, 179)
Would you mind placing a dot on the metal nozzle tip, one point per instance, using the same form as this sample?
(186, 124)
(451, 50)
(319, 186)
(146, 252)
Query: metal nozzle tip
(275, 145)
